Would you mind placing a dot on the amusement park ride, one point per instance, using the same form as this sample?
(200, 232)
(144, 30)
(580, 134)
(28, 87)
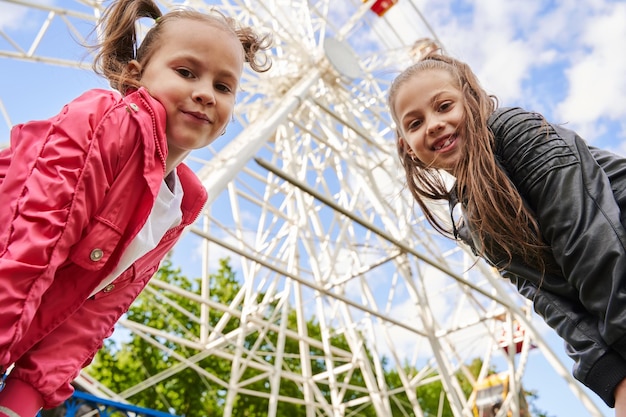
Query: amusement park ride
(307, 201)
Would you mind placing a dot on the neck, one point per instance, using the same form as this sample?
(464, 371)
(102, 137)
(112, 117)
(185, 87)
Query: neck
(172, 161)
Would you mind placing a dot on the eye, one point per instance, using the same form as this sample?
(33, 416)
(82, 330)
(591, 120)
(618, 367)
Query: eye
(414, 124)
(225, 88)
(184, 72)
(445, 106)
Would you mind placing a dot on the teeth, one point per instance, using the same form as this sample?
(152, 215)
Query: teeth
(443, 145)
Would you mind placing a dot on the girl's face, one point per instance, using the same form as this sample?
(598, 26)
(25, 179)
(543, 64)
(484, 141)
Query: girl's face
(194, 73)
(430, 113)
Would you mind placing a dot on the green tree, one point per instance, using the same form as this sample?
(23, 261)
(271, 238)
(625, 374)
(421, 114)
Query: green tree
(122, 364)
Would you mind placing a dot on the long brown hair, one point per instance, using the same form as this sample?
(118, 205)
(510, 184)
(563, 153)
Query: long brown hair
(493, 206)
(119, 43)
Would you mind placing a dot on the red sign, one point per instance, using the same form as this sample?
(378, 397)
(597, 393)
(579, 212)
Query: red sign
(381, 6)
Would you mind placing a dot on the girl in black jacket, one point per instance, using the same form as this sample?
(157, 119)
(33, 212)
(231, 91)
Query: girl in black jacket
(537, 202)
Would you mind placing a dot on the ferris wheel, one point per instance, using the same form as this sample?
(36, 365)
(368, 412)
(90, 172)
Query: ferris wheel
(307, 200)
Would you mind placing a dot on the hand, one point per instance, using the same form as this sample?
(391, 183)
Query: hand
(620, 399)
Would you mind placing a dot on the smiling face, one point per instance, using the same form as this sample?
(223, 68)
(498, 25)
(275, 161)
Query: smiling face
(430, 114)
(194, 73)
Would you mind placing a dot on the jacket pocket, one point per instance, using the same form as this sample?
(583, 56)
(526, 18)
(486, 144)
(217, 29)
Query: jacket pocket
(96, 247)
(134, 275)
(118, 284)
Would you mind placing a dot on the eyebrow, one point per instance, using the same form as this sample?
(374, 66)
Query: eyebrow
(199, 63)
(437, 96)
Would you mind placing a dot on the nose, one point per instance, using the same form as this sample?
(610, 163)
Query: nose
(435, 125)
(204, 95)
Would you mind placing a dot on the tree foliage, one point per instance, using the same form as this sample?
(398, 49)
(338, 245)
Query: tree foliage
(129, 361)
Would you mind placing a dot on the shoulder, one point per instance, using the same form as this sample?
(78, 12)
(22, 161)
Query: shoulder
(119, 125)
(131, 119)
(101, 102)
(144, 100)
(74, 123)
(147, 110)
(95, 100)
(514, 128)
(505, 118)
(86, 112)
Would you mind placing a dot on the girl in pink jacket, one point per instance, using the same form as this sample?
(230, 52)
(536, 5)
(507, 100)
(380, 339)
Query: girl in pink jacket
(94, 198)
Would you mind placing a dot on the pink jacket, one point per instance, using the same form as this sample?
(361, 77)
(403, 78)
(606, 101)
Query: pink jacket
(74, 191)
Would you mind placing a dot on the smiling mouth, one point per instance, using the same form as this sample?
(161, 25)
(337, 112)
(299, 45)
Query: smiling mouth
(200, 116)
(445, 143)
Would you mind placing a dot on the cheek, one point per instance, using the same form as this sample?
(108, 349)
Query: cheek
(417, 145)
(422, 153)
(228, 107)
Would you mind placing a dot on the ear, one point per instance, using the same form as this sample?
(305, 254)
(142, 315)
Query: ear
(405, 146)
(135, 69)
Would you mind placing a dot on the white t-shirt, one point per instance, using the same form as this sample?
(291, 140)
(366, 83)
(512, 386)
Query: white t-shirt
(165, 214)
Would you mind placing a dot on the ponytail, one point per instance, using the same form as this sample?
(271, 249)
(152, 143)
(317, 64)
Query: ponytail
(119, 44)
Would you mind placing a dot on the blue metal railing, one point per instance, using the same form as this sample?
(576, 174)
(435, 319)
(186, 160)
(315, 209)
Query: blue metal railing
(81, 401)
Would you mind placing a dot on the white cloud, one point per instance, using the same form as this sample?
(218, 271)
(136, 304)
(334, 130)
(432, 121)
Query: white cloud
(501, 41)
(12, 16)
(597, 81)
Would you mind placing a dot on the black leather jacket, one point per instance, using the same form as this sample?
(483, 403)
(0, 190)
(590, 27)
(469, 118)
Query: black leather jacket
(577, 193)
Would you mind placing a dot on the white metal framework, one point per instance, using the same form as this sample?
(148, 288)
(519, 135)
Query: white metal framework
(307, 199)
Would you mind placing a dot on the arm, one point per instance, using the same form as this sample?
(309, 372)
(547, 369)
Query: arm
(596, 365)
(81, 335)
(572, 197)
(50, 185)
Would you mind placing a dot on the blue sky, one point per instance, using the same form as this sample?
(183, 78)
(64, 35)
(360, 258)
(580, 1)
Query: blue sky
(561, 58)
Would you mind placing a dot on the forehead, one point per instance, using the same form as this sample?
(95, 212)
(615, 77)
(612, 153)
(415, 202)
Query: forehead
(197, 21)
(421, 86)
(206, 34)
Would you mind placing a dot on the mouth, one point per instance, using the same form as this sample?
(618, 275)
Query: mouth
(445, 142)
(198, 115)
